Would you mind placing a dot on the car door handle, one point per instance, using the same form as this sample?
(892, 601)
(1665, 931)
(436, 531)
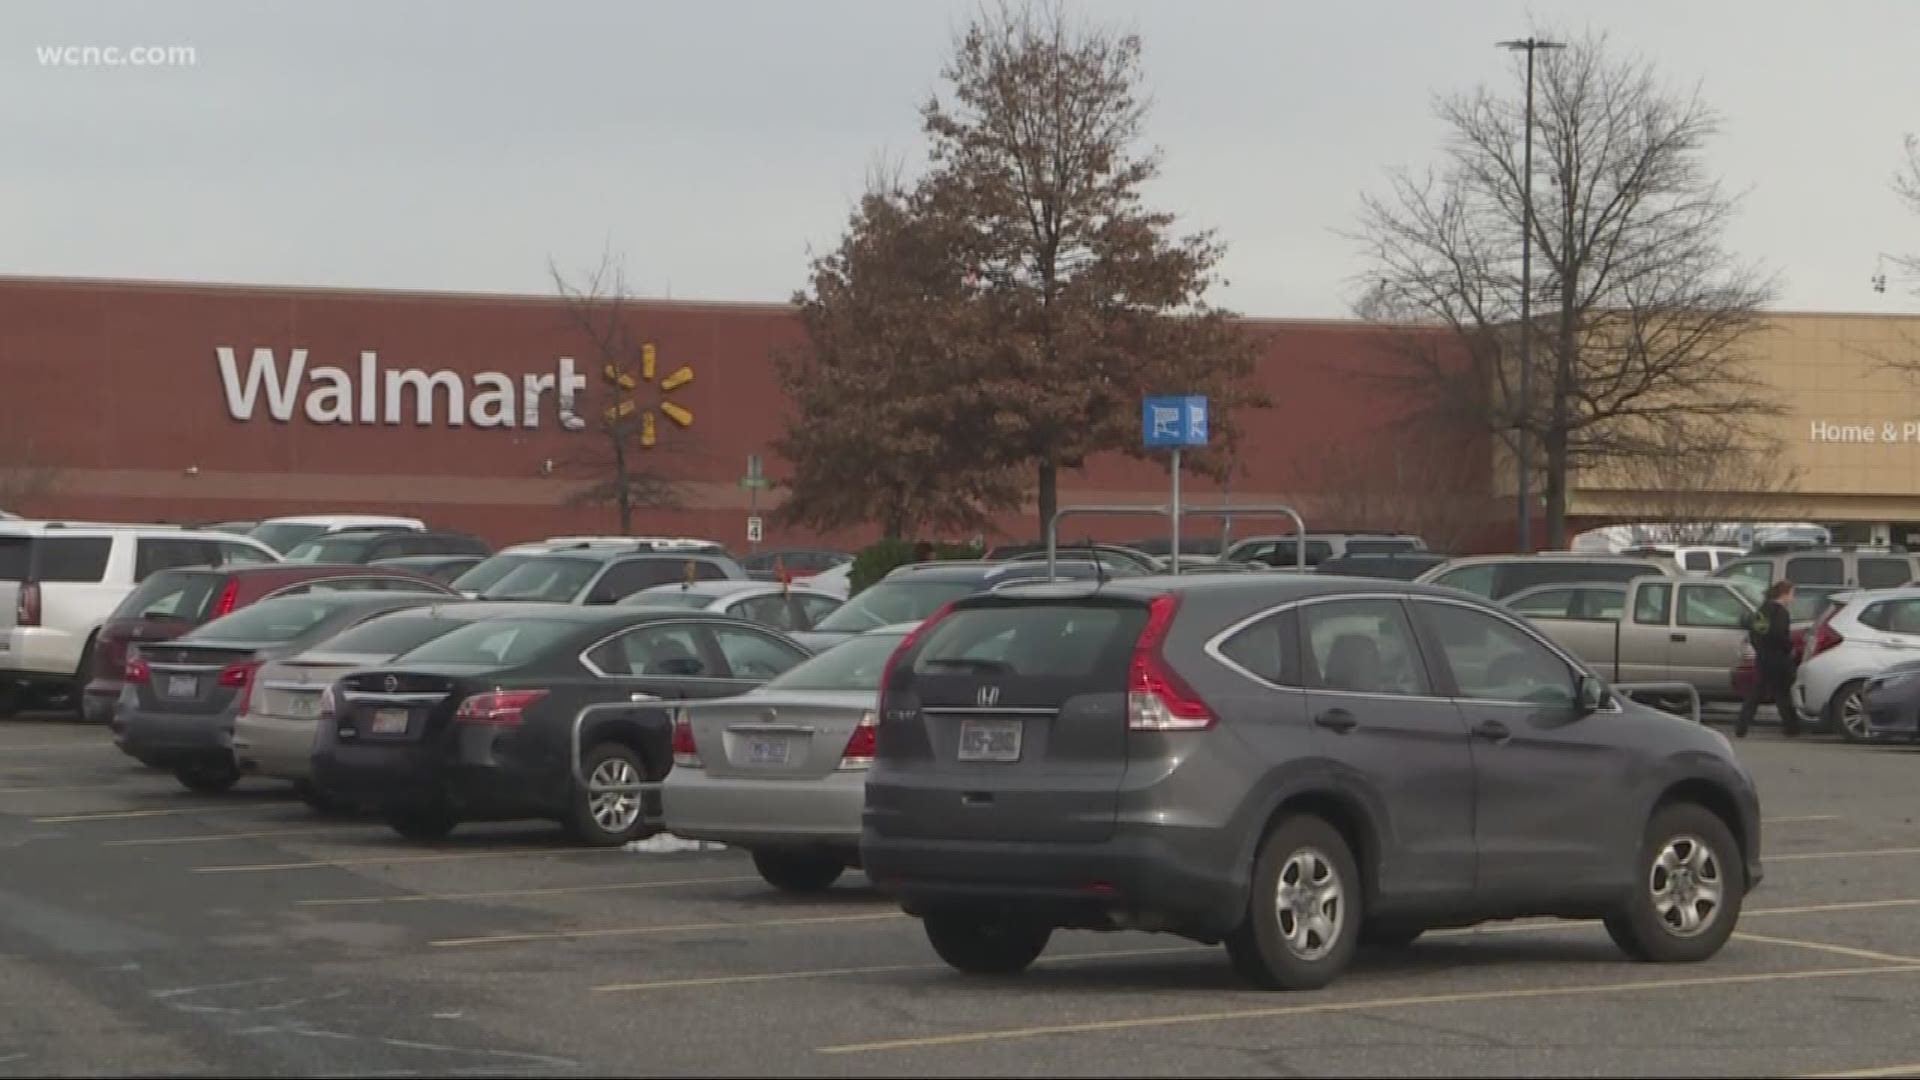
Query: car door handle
(1676, 637)
(1492, 731)
(638, 695)
(1339, 720)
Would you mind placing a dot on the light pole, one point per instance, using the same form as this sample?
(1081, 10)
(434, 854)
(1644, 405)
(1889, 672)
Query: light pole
(1521, 451)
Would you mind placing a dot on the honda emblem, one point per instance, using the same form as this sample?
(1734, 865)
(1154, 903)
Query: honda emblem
(392, 684)
(988, 697)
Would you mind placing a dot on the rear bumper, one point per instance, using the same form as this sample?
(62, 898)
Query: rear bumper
(1139, 878)
(171, 739)
(748, 812)
(274, 746)
(405, 775)
(38, 654)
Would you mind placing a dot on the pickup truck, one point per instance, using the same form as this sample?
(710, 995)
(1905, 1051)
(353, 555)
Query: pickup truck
(1661, 629)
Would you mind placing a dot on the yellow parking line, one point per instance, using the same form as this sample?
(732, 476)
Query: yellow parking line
(116, 815)
(1799, 818)
(681, 928)
(1802, 856)
(875, 969)
(1361, 1005)
(49, 748)
(1842, 905)
(1910, 1069)
(1828, 947)
(382, 860)
(60, 787)
(561, 890)
(203, 838)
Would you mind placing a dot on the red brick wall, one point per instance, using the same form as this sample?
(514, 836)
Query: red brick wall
(117, 386)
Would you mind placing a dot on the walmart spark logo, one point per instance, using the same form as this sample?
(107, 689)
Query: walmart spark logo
(629, 404)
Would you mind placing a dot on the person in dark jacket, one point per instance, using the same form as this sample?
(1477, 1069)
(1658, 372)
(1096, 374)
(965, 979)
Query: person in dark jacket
(1771, 635)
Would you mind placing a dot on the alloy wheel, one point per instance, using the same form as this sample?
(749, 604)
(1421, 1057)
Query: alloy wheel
(610, 796)
(1309, 903)
(1686, 885)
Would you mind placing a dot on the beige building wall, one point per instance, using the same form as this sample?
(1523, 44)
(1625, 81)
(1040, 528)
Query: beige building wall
(1851, 427)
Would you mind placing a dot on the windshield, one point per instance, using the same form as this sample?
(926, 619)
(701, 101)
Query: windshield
(544, 577)
(390, 635)
(890, 602)
(269, 620)
(485, 573)
(676, 598)
(854, 664)
(331, 549)
(496, 642)
(171, 594)
(283, 536)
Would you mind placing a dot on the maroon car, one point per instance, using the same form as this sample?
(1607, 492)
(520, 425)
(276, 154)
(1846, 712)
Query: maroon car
(172, 602)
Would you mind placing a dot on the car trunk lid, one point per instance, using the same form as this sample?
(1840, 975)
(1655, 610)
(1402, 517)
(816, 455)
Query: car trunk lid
(400, 705)
(795, 735)
(195, 678)
(1007, 720)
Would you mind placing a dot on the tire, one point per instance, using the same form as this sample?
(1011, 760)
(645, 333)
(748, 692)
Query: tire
(1689, 836)
(1851, 728)
(1389, 935)
(798, 871)
(77, 690)
(985, 942)
(1281, 948)
(422, 823)
(320, 802)
(208, 779)
(610, 818)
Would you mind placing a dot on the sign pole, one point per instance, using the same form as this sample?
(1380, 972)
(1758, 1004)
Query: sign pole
(1175, 528)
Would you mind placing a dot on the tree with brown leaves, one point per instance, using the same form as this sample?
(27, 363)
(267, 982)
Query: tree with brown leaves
(1642, 316)
(889, 418)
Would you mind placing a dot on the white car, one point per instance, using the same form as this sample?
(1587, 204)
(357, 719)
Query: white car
(60, 580)
(837, 581)
(285, 533)
(1861, 635)
(783, 607)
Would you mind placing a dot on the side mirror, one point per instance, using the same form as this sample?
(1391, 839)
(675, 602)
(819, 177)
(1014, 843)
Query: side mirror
(1594, 695)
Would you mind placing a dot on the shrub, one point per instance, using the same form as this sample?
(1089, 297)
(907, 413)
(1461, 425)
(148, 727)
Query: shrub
(876, 560)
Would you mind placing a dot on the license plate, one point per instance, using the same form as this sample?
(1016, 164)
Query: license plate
(389, 721)
(302, 706)
(990, 740)
(767, 751)
(183, 686)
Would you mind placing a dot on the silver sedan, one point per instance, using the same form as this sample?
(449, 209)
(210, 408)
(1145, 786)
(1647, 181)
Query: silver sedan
(781, 770)
(783, 607)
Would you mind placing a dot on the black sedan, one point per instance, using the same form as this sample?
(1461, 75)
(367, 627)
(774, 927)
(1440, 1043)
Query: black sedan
(179, 699)
(477, 725)
(1892, 702)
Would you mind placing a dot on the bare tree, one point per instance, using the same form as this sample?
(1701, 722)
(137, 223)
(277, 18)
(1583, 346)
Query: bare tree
(1906, 184)
(1706, 482)
(623, 465)
(24, 477)
(1422, 490)
(1642, 316)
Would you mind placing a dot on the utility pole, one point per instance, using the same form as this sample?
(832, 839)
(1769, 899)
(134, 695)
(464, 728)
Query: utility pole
(1523, 494)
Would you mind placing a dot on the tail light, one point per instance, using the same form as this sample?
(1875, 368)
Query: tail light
(686, 753)
(503, 708)
(240, 676)
(229, 596)
(906, 645)
(137, 673)
(26, 611)
(1825, 637)
(329, 707)
(1158, 699)
(862, 744)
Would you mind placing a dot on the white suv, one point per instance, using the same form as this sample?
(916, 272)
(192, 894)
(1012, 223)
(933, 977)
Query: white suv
(1860, 635)
(60, 580)
(283, 534)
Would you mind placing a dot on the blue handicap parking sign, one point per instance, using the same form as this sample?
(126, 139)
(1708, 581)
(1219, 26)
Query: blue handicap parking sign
(1174, 421)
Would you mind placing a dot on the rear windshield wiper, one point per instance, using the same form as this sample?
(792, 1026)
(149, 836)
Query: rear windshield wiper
(964, 663)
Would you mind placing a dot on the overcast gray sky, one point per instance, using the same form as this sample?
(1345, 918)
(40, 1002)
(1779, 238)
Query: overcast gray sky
(712, 143)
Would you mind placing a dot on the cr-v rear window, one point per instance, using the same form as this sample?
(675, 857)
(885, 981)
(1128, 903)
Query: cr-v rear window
(172, 594)
(1056, 641)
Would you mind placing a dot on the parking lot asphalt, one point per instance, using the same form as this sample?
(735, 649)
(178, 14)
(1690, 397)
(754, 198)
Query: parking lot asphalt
(145, 929)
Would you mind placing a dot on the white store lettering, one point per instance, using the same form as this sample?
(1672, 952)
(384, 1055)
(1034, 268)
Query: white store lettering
(328, 395)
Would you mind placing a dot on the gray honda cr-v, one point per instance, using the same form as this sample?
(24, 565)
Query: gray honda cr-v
(1292, 766)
